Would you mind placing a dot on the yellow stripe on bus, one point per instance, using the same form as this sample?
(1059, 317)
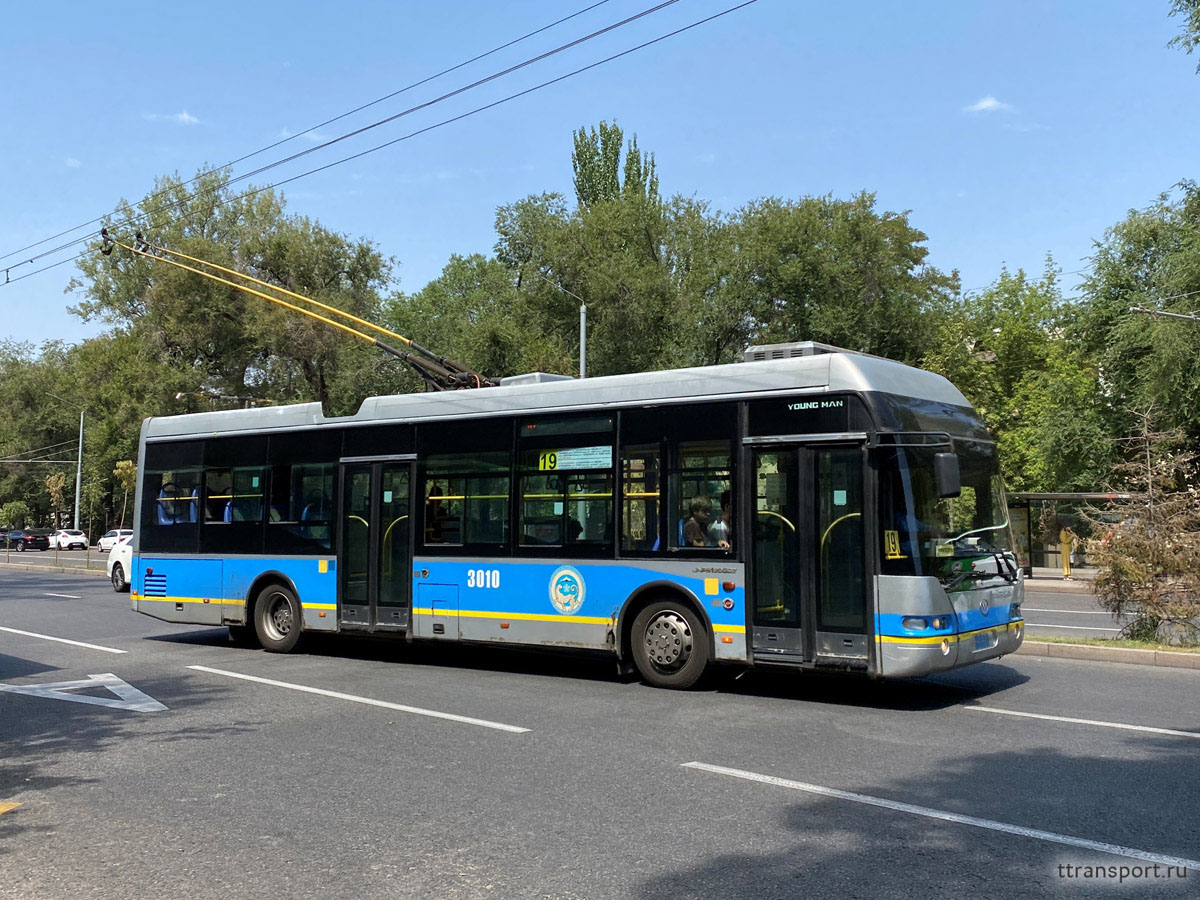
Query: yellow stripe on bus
(520, 617)
(466, 613)
(211, 600)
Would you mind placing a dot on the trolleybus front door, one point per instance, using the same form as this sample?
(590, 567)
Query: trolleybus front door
(809, 559)
(375, 552)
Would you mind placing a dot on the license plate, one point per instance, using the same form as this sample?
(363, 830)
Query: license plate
(985, 641)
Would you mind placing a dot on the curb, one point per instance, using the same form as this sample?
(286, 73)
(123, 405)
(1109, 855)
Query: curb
(1039, 585)
(1127, 655)
(62, 570)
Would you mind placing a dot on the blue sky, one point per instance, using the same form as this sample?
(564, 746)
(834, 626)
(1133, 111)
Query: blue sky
(1009, 129)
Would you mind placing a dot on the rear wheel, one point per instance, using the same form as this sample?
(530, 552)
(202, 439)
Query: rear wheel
(21, 547)
(670, 645)
(277, 619)
(120, 585)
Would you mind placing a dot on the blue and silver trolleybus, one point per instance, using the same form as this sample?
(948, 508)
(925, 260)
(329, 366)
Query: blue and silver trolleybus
(809, 507)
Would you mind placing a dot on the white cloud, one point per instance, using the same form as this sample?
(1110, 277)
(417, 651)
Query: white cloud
(989, 104)
(73, 163)
(179, 118)
(314, 137)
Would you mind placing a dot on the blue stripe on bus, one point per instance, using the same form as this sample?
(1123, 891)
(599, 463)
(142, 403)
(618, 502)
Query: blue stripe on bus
(528, 586)
(517, 586)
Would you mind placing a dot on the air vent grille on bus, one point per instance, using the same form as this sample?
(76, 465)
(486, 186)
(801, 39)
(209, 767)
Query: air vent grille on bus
(155, 586)
(789, 351)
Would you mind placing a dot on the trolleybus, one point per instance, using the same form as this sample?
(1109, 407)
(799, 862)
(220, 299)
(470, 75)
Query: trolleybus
(809, 507)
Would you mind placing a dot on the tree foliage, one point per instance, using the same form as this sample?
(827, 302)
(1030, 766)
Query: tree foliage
(1189, 35)
(1149, 551)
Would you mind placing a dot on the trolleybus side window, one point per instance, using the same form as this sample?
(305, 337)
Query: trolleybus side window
(467, 499)
(301, 508)
(702, 497)
(171, 496)
(566, 483)
(641, 497)
(233, 495)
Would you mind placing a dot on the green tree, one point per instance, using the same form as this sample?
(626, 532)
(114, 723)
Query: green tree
(1151, 259)
(233, 343)
(56, 484)
(14, 513)
(1189, 36)
(840, 272)
(124, 478)
(1040, 395)
(597, 164)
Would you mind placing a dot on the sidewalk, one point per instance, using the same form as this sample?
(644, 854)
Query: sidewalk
(1048, 579)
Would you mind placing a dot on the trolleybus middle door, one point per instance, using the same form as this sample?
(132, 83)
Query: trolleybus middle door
(809, 560)
(375, 550)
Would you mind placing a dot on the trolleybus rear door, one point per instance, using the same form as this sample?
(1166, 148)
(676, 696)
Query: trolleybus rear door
(809, 565)
(375, 550)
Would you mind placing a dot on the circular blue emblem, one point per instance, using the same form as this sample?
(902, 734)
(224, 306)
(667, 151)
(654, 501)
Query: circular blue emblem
(566, 589)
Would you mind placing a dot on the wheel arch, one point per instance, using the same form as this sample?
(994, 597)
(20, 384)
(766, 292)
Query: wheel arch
(649, 593)
(263, 580)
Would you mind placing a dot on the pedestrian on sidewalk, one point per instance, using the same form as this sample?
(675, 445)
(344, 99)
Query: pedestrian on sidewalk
(1067, 539)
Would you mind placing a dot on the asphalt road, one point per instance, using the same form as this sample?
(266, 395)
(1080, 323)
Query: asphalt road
(83, 559)
(464, 772)
(1073, 613)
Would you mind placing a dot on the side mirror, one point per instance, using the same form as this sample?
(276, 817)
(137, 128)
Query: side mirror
(945, 472)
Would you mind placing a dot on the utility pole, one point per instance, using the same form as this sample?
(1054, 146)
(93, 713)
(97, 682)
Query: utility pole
(78, 456)
(79, 469)
(583, 340)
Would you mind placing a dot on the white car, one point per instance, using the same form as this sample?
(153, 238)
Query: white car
(120, 564)
(112, 538)
(68, 539)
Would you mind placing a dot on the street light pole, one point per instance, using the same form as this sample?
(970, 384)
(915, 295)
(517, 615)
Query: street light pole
(79, 469)
(78, 456)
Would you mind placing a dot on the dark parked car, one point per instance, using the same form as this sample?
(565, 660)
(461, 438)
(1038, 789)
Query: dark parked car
(22, 539)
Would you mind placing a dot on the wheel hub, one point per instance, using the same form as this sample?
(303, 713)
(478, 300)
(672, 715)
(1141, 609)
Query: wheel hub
(668, 640)
(281, 616)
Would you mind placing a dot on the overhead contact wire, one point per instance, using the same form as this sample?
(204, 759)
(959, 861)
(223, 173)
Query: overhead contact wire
(313, 128)
(325, 144)
(453, 119)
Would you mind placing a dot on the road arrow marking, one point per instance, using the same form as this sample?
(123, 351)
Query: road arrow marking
(132, 699)
(7, 807)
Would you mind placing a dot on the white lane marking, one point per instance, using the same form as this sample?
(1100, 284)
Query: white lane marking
(46, 637)
(132, 699)
(1019, 830)
(1073, 612)
(1099, 724)
(64, 596)
(415, 710)
(1075, 627)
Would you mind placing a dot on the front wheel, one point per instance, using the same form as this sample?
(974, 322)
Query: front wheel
(277, 619)
(120, 585)
(670, 645)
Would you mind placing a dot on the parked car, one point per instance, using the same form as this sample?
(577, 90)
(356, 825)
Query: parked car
(111, 538)
(22, 539)
(69, 539)
(120, 564)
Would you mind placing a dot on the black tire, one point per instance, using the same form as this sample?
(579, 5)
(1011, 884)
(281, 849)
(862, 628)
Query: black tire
(21, 547)
(243, 636)
(120, 585)
(277, 619)
(670, 645)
